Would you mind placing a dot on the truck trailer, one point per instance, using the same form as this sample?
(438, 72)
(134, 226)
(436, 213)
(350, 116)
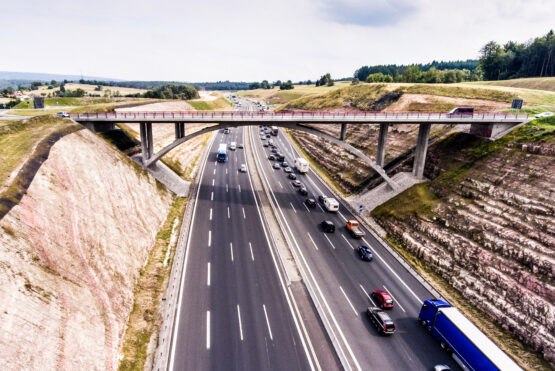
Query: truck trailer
(222, 153)
(302, 165)
(469, 347)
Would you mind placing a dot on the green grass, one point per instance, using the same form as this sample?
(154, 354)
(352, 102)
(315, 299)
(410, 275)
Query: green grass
(417, 200)
(216, 104)
(25, 104)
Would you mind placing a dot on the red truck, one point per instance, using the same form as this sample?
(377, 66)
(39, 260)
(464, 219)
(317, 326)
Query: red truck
(354, 228)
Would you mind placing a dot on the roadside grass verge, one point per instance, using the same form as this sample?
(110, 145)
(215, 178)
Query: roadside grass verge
(209, 105)
(521, 353)
(144, 320)
(32, 112)
(417, 200)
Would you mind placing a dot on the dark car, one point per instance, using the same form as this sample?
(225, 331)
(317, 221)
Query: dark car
(274, 150)
(284, 164)
(276, 166)
(381, 320)
(365, 253)
(271, 157)
(303, 190)
(292, 176)
(310, 202)
(383, 299)
(267, 135)
(321, 198)
(240, 145)
(280, 157)
(328, 226)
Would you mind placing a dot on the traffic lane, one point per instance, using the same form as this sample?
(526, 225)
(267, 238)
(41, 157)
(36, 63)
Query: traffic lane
(350, 288)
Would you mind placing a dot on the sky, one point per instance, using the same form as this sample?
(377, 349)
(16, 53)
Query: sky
(248, 40)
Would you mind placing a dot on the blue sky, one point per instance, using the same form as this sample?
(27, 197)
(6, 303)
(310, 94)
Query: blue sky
(251, 40)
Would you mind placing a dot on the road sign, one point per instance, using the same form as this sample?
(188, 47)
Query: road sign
(360, 209)
(56, 102)
(517, 104)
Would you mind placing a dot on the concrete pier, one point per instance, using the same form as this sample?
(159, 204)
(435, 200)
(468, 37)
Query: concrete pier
(380, 156)
(146, 140)
(421, 149)
(343, 132)
(179, 130)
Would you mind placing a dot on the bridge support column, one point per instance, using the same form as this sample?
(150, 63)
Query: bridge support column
(343, 132)
(179, 130)
(146, 140)
(421, 150)
(380, 156)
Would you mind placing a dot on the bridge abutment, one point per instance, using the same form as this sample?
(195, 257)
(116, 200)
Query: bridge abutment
(421, 150)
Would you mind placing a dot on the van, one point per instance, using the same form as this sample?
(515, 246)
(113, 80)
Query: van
(233, 146)
(331, 204)
(226, 131)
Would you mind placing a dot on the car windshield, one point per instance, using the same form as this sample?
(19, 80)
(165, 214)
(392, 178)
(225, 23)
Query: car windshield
(388, 301)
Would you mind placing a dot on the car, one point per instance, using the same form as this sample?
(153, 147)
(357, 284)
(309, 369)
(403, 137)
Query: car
(303, 190)
(296, 183)
(265, 144)
(226, 131)
(288, 169)
(328, 226)
(267, 135)
(310, 202)
(365, 253)
(62, 114)
(381, 320)
(280, 157)
(276, 166)
(442, 368)
(274, 150)
(292, 176)
(284, 164)
(243, 168)
(272, 158)
(543, 114)
(233, 146)
(385, 301)
(240, 145)
(321, 198)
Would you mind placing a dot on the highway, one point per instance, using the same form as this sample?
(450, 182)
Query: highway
(235, 311)
(342, 282)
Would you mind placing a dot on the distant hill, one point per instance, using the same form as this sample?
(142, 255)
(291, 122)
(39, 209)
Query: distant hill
(37, 76)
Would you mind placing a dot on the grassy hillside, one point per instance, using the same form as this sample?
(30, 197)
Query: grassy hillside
(216, 104)
(536, 83)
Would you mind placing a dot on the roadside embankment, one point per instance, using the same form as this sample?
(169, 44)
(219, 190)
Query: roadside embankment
(71, 252)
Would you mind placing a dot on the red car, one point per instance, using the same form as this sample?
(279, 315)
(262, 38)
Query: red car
(383, 299)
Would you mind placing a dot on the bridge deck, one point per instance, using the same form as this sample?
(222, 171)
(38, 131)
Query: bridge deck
(300, 117)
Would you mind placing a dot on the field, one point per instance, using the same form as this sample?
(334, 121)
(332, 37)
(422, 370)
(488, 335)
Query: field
(87, 88)
(536, 83)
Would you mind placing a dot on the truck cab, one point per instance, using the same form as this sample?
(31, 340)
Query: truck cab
(429, 310)
(353, 227)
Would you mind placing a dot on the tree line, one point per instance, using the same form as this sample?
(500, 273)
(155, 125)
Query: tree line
(173, 91)
(396, 71)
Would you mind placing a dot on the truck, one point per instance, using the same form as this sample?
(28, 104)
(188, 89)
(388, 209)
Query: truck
(222, 153)
(469, 347)
(302, 165)
(274, 130)
(331, 204)
(354, 229)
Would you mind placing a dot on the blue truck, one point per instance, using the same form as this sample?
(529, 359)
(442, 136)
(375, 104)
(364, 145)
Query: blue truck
(469, 347)
(222, 153)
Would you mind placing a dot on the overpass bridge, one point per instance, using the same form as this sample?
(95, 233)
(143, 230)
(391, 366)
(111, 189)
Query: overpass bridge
(487, 125)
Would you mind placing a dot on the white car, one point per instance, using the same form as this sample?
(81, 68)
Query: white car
(243, 168)
(543, 114)
(62, 114)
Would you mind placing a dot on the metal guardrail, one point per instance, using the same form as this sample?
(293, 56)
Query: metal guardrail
(300, 116)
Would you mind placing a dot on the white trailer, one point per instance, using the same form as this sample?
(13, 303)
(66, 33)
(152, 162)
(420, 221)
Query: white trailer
(302, 165)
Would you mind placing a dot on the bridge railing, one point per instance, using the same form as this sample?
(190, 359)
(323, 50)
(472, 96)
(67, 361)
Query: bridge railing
(319, 115)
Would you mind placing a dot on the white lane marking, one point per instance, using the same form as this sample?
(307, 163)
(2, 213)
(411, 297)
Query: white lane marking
(212, 196)
(345, 219)
(213, 182)
(239, 187)
(244, 216)
(231, 249)
(346, 240)
(235, 159)
(267, 322)
(208, 275)
(348, 301)
(209, 238)
(306, 207)
(293, 207)
(226, 171)
(321, 208)
(182, 283)
(207, 329)
(228, 214)
(329, 241)
(399, 305)
(395, 274)
(252, 255)
(240, 325)
(210, 213)
(280, 184)
(293, 308)
(216, 162)
(368, 296)
(214, 171)
(227, 187)
(309, 236)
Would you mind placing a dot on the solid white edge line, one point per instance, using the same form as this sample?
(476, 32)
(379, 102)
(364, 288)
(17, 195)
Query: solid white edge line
(312, 276)
(309, 236)
(397, 301)
(208, 275)
(252, 255)
(182, 284)
(293, 308)
(394, 273)
(327, 238)
(348, 301)
(207, 329)
(240, 324)
(267, 322)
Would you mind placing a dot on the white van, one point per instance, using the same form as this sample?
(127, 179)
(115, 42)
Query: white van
(233, 146)
(331, 204)
(302, 165)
